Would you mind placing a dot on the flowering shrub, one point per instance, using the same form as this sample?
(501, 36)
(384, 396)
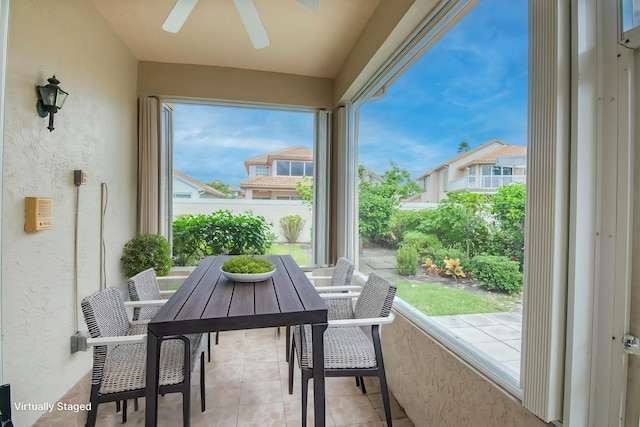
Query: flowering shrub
(431, 268)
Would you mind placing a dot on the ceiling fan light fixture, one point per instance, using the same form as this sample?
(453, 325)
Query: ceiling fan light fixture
(253, 23)
(178, 15)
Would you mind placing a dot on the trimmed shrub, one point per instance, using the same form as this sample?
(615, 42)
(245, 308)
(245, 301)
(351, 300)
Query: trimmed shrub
(426, 244)
(146, 251)
(407, 258)
(291, 227)
(498, 273)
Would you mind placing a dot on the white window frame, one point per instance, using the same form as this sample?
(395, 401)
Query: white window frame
(262, 170)
(322, 144)
(437, 23)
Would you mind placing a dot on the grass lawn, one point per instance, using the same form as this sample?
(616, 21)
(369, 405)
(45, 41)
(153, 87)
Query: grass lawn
(435, 299)
(294, 250)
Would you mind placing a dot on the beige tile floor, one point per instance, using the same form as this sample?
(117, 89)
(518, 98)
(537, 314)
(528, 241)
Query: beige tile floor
(246, 386)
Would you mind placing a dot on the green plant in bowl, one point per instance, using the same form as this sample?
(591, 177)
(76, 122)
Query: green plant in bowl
(248, 265)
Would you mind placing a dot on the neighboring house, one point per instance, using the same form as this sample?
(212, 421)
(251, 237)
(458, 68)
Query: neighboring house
(185, 187)
(483, 169)
(274, 175)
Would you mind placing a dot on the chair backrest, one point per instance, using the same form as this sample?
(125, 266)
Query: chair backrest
(105, 316)
(376, 298)
(143, 287)
(342, 272)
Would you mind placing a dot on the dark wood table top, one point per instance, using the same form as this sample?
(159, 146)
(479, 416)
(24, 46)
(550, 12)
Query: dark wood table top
(208, 301)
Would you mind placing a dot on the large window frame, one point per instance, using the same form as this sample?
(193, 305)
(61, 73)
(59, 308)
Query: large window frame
(320, 167)
(432, 29)
(580, 377)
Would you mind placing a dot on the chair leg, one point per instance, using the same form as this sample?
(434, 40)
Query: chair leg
(209, 344)
(93, 412)
(375, 336)
(291, 362)
(117, 406)
(385, 396)
(186, 406)
(217, 338)
(124, 411)
(202, 386)
(288, 342)
(362, 387)
(135, 404)
(305, 393)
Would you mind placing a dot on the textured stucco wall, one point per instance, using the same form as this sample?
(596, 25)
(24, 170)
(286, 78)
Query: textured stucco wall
(436, 388)
(95, 131)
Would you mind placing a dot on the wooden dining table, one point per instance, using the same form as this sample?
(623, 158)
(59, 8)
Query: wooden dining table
(209, 302)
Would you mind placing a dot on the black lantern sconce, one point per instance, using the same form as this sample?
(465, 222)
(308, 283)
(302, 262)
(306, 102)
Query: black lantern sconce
(50, 100)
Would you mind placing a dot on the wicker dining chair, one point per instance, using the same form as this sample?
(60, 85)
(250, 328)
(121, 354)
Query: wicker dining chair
(348, 350)
(339, 281)
(120, 359)
(144, 287)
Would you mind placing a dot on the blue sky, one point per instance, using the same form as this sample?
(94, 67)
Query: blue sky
(471, 86)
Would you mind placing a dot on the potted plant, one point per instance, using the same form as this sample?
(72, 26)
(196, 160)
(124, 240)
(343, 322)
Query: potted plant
(146, 251)
(248, 269)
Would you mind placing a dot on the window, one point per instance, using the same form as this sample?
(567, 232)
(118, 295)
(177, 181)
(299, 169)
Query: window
(391, 118)
(289, 168)
(217, 142)
(181, 195)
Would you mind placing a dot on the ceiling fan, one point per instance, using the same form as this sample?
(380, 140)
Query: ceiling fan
(248, 13)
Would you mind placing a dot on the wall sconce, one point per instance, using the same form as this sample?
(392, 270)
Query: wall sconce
(50, 100)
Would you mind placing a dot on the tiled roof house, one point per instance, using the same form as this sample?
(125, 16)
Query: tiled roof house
(274, 175)
(483, 169)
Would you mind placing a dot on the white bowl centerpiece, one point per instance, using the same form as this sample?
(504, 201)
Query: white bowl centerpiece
(248, 269)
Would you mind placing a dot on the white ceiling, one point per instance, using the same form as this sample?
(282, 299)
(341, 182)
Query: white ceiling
(303, 42)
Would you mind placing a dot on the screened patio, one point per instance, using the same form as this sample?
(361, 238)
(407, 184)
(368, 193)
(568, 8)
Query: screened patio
(582, 286)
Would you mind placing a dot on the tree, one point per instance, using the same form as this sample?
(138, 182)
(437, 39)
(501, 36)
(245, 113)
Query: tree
(460, 222)
(220, 186)
(305, 188)
(463, 147)
(508, 209)
(379, 200)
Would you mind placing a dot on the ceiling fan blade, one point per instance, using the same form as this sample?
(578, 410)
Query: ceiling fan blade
(311, 4)
(178, 15)
(253, 23)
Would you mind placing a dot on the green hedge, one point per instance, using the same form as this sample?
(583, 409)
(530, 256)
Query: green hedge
(498, 273)
(221, 232)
